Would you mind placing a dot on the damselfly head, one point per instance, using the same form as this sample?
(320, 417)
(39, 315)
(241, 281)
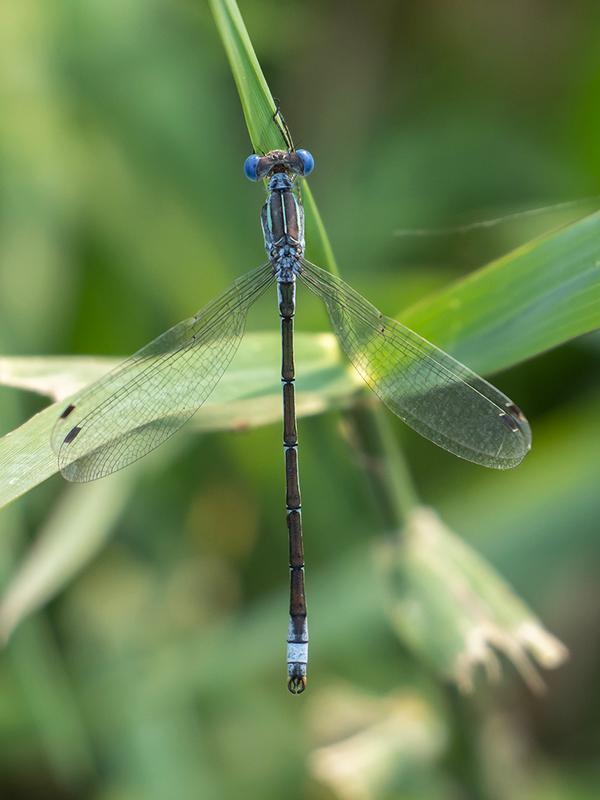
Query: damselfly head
(293, 162)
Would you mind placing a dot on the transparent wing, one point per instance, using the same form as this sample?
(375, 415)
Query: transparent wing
(144, 401)
(432, 392)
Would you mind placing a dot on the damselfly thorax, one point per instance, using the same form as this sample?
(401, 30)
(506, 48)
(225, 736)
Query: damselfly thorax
(282, 216)
(282, 221)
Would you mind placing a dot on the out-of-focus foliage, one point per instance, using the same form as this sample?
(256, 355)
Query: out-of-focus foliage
(124, 209)
(452, 608)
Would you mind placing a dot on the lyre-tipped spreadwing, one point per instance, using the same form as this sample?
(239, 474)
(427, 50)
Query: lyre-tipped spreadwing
(144, 401)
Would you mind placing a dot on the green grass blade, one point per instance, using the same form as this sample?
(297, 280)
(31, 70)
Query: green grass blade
(257, 102)
(258, 107)
(537, 297)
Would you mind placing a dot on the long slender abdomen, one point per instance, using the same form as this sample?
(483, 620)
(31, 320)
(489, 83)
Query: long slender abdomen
(297, 648)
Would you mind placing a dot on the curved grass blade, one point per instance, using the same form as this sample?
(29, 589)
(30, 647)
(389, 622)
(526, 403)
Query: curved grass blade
(259, 107)
(532, 299)
(257, 102)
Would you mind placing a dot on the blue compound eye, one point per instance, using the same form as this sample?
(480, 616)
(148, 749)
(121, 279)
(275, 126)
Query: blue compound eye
(251, 166)
(308, 161)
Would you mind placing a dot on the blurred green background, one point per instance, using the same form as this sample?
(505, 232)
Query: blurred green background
(124, 209)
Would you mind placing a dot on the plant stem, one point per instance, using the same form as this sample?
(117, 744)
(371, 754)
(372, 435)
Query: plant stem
(379, 454)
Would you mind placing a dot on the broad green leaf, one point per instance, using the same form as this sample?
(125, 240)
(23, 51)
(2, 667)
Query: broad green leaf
(538, 296)
(248, 395)
(456, 612)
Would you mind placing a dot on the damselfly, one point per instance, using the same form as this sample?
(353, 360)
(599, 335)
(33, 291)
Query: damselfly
(139, 405)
